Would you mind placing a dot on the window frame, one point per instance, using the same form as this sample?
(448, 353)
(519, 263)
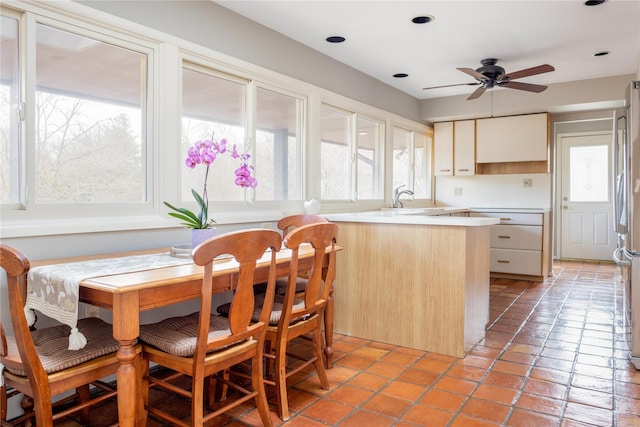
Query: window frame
(163, 127)
(28, 209)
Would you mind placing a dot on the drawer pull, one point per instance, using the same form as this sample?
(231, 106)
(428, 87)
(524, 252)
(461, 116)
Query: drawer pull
(503, 261)
(445, 170)
(463, 170)
(505, 219)
(504, 237)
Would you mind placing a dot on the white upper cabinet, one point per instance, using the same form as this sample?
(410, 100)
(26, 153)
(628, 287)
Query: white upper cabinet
(454, 148)
(443, 148)
(512, 139)
(464, 147)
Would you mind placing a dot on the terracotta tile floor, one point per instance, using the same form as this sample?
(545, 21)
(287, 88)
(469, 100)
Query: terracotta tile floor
(553, 356)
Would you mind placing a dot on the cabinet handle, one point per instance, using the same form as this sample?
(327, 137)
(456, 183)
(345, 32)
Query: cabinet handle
(504, 237)
(505, 219)
(445, 170)
(503, 261)
(463, 170)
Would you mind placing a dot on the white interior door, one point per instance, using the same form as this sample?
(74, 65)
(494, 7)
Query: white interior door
(586, 196)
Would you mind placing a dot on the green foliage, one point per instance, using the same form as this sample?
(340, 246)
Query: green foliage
(190, 219)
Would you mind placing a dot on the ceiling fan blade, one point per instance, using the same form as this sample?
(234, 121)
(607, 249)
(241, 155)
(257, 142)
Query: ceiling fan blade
(458, 84)
(473, 73)
(527, 72)
(524, 86)
(476, 93)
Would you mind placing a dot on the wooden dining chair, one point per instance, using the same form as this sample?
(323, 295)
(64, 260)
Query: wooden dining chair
(288, 224)
(285, 225)
(291, 317)
(38, 363)
(200, 345)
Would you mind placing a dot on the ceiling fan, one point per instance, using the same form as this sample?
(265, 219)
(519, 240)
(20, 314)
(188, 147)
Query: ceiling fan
(491, 75)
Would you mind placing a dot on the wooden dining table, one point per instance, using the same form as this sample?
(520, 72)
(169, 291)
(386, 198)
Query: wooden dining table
(128, 294)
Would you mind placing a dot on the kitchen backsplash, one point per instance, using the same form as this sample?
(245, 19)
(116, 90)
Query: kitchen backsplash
(494, 191)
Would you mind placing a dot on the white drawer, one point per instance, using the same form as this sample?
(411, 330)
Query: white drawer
(516, 262)
(513, 218)
(517, 237)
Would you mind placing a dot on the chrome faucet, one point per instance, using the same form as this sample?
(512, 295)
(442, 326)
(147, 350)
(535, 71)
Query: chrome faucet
(396, 196)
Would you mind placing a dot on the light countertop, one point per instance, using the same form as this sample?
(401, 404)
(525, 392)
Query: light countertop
(418, 216)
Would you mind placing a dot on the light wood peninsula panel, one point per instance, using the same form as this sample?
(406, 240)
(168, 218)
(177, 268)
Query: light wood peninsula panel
(420, 286)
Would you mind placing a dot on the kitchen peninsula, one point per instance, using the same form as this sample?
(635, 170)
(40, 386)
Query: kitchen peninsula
(417, 278)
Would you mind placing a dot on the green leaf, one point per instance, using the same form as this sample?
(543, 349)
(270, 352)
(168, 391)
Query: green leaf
(189, 219)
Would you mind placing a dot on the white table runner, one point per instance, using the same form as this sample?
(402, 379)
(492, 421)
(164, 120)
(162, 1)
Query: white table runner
(54, 289)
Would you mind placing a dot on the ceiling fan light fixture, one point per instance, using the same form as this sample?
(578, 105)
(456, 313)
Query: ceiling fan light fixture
(400, 75)
(335, 39)
(423, 19)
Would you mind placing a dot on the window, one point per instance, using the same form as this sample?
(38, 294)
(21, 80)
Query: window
(278, 160)
(369, 154)
(411, 158)
(10, 176)
(422, 159)
(589, 180)
(402, 158)
(74, 130)
(90, 144)
(213, 106)
(335, 154)
(350, 167)
(95, 124)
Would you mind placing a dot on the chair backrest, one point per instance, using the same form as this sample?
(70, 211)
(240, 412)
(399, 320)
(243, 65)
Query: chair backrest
(16, 265)
(322, 237)
(288, 223)
(247, 247)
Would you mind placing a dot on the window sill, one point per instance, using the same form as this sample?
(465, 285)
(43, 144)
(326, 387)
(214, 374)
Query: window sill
(66, 226)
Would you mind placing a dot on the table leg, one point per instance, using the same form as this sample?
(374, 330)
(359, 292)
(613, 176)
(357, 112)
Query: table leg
(128, 384)
(126, 328)
(328, 330)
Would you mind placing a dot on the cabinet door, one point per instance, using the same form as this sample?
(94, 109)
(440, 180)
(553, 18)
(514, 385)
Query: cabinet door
(464, 147)
(443, 148)
(512, 139)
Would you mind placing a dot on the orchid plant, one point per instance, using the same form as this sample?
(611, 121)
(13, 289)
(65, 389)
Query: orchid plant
(205, 152)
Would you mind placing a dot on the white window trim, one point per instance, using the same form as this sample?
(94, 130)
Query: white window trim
(167, 49)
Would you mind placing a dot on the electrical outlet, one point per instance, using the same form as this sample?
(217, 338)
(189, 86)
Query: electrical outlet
(527, 182)
(92, 311)
(457, 191)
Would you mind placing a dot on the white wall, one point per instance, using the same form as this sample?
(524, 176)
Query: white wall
(494, 191)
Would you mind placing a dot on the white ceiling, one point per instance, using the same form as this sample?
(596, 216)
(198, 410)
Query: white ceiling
(381, 40)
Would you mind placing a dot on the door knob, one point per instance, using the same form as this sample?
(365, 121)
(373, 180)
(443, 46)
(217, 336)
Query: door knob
(565, 207)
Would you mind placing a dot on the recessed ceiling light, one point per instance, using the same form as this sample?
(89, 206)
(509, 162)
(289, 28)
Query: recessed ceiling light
(335, 39)
(602, 53)
(400, 75)
(422, 19)
(593, 2)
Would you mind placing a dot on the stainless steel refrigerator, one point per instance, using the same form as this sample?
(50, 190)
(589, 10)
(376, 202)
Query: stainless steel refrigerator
(626, 140)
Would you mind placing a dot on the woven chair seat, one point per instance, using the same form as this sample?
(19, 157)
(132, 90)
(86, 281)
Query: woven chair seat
(52, 346)
(276, 311)
(281, 285)
(178, 335)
